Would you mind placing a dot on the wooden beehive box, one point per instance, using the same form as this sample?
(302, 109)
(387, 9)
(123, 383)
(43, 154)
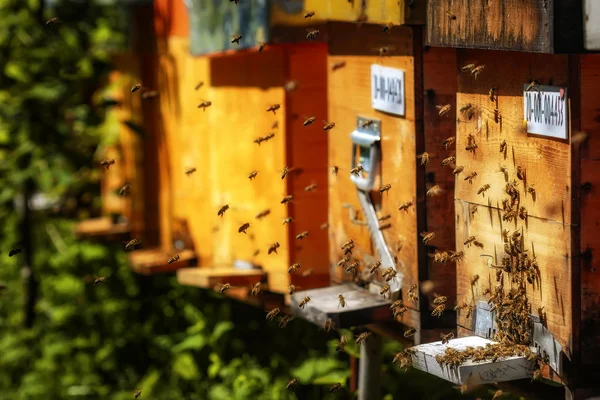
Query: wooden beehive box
(557, 162)
(403, 12)
(540, 26)
(353, 54)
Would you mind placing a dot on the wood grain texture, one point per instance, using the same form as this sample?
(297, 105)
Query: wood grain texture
(171, 18)
(102, 227)
(547, 161)
(590, 109)
(399, 12)
(549, 241)
(208, 278)
(155, 261)
(349, 94)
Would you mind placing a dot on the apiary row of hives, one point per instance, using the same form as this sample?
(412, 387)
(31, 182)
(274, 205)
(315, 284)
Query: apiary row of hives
(347, 155)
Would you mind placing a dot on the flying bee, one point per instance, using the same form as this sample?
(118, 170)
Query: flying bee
(343, 261)
(443, 110)
(399, 311)
(14, 252)
(467, 68)
(427, 237)
(385, 188)
(256, 289)
(335, 169)
(271, 315)
(446, 338)
(244, 227)
(302, 235)
(268, 137)
(328, 325)
(470, 177)
(252, 175)
(448, 142)
(385, 290)
(309, 14)
(173, 259)
(124, 191)
(537, 375)
(307, 273)
(438, 311)
(137, 393)
(338, 65)
(357, 170)
(284, 172)
(304, 302)
(375, 267)
(335, 388)
(328, 126)
(405, 206)
(367, 123)
(310, 188)
(273, 248)
(470, 240)
(222, 210)
(225, 288)
(291, 288)
(448, 161)
(52, 21)
(385, 217)
(387, 28)
(412, 294)
(435, 190)
(288, 220)
(424, 158)
(236, 39)
(130, 245)
(293, 268)
(261, 46)
(259, 140)
(136, 87)
(199, 85)
(309, 121)
(287, 199)
(274, 108)
(458, 170)
(98, 281)
(190, 171)
(497, 395)
(492, 94)
(204, 105)
(410, 332)
(362, 337)
(291, 384)
(312, 34)
(263, 214)
(477, 70)
(483, 189)
(451, 15)
(324, 226)
(520, 173)
(457, 256)
(107, 163)
(439, 299)
(341, 301)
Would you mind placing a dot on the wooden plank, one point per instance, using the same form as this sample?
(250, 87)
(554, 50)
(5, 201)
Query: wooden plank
(208, 278)
(349, 94)
(399, 12)
(171, 18)
(549, 241)
(155, 261)
(546, 161)
(102, 227)
(590, 111)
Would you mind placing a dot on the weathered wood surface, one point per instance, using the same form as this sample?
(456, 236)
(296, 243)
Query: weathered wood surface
(349, 95)
(541, 26)
(155, 261)
(209, 278)
(547, 161)
(171, 18)
(102, 227)
(398, 12)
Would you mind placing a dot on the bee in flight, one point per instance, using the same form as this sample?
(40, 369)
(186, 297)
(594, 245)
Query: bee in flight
(236, 39)
(410, 332)
(256, 289)
(199, 85)
(244, 227)
(405, 206)
(130, 245)
(328, 125)
(222, 210)
(335, 388)
(304, 302)
(274, 108)
(288, 220)
(190, 171)
(443, 110)
(224, 288)
(312, 34)
(309, 14)
(14, 252)
(287, 199)
(338, 65)
(137, 393)
(173, 259)
(272, 314)
(387, 28)
(107, 163)
(52, 21)
(424, 158)
(362, 337)
(136, 87)
(204, 105)
(302, 235)
(357, 170)
(385, 188)
(98, 281)
(273, 248)
(124, 191)
(252, 175)
(335, 169)
(291, 384)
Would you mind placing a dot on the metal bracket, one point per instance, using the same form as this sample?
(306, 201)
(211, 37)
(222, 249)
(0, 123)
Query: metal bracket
(546, 345)
(484, 324)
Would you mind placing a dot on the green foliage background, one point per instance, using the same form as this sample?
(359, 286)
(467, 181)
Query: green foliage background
(131, 332)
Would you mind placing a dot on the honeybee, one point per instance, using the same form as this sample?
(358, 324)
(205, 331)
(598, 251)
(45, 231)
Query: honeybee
(291, 384)
(465, 108)
(273, 248)
(451, 15)
(385, 188)
(439, 299)
(204, 105)
(252, 175)
(412, 294)
(520, 173)
(107, 163)
(259, 140)
(268, 137)
(391, 274)
(342, 343)
(399, 311)
(443, 110)
(256, 252)
(532, 85)
(477, 70)
(387, 28)
(324, 226)
(284, 172)
(531, 189)
(130, 245)
(424, 158)
(448, 142)
(388, 271)
(287, 199)
(448, 161)
(385, 226)
(136, 87)
(427, 236)
(328, 325)
(435, 190)
(244, 227)
(438, 311)
(274, 108)
(492, 94)
(352, 268)
(343, 261)
(396, 304)
(256, 289)
(225, 288)
(293, 268)
(302, 235)
(124, 191)
(310, 188)
(483, 189)
(261, 46)
(338, 65)
(497, 395)
(137, 393)
(14, 252)
(309, 121)
(405, 206)
(362, 337)
(99, 280)
(236, 39)
(304, 302)
(470, 177)
(468, 68)
(309, 14)
(291, 288)
(458, 170)
(471, 146)
(312, 34)
(173, 259)
(190, 171)
(328, 125)
(263, 214)
(271, 315)
(335, 388)
(357, 170)
(290, 86)
(503, 146)
(335, 169)
(446, 338)
(470, 240)
(222, 210)
(375, 267)
(456, 256)
(199, 85)
(341, 301)
(367, 123)
(385, 217)
(385, 290)
(410, 332)
(52, 21)
(288, 220)
(523, 213)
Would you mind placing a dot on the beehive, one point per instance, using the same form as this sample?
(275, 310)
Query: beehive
(372, 11)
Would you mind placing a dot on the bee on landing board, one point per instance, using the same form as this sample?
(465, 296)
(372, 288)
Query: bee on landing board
(236, 39)
(204, 105)
(458, 170)
(244, 227)
(451, 15)
(222, 210)
(173, 259)
(107, 163)
(385, 291)
(341, 301)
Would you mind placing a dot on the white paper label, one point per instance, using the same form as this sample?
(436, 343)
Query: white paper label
(387, 89)
(545, 110)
